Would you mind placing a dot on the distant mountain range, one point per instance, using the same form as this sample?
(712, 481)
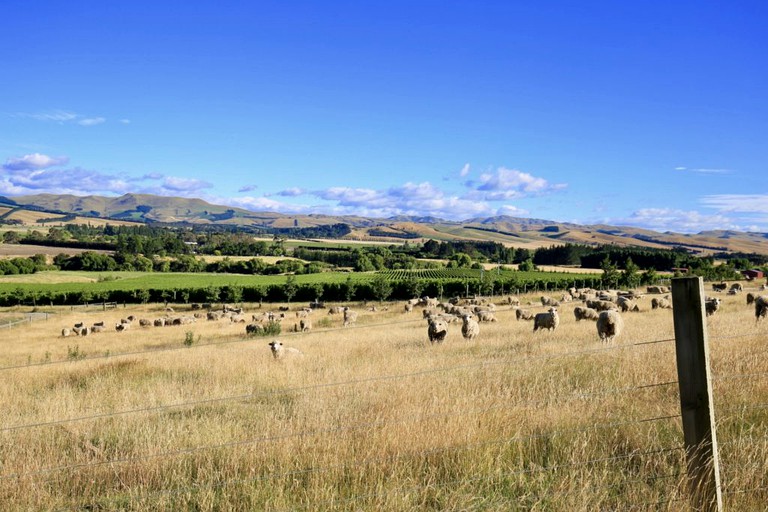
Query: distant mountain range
(514, 231)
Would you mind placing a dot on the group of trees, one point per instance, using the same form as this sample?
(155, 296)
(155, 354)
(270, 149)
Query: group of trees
(174, 249)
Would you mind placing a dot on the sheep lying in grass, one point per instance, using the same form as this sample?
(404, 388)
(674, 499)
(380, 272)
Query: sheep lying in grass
(584, 313)
(661, 303)
(437, 330)
(549, 320)
(280, 351)
(523, 314)
(711, 306)
(469, 328)
(609, 325)
(485, 316)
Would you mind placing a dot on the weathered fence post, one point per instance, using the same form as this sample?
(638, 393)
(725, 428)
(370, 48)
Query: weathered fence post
(696, 408)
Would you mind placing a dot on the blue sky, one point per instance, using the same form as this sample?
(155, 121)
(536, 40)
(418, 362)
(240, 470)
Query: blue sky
(649, 114)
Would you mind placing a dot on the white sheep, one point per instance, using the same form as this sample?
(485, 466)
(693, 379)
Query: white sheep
(305, 324)
(711, 306)
(609, 325)
(485, 316)
(437, 330)
(549, 320)
(523, 314)
(584, 313)
(350, 317)
(469, 328)
(280, 351)
(627, 304)
(660, 303)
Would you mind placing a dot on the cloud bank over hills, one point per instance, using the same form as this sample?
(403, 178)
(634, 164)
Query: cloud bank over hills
(460, 196)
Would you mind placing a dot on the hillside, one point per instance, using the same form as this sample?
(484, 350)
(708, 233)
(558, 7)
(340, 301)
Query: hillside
(513, 231)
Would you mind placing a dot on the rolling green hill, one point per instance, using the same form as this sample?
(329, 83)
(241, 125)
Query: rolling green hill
(513, 231)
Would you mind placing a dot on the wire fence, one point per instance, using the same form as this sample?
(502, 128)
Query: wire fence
(675, 494)
(27, 318)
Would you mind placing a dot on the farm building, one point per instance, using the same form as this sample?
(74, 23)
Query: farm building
(752, 274)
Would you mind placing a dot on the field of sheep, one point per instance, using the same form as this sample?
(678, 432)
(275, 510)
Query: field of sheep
(371, 416)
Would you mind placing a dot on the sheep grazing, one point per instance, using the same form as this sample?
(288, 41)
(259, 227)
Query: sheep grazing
(750, 298)
(549, 320)
(609, 325)
(523, 314)
(711, 306)
(65, 332)
(159, 322)
(469, 328)
(626, 304)
(408, 307)
(97, 328)
(350, 317)
(600, 305)
(761, 307)
(437, 330)
(280, 351)
(584, 313)
(735, 288)
(660, 303)
(335, 310)
(305, 324)
(719, 287)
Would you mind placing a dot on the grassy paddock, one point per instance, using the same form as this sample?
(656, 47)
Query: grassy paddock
(372, 417)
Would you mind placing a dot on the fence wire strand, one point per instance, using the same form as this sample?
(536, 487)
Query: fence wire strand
(245, 339)
(305, 389)
(406, 457)
(321, 431)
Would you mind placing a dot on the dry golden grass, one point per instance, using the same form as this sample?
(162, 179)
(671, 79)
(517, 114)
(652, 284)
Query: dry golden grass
(372, 417)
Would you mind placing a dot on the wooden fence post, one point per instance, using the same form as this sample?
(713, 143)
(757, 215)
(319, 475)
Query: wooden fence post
(696, 408)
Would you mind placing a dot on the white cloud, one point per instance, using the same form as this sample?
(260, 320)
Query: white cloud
(248, 188)
(512, 211)
(34, 161)
(292, 192)
(705, 170)
(76, 181)
(264, 204)
(415, 199)
(91, 121)
(506, 184)
(56, 116)
(464, 170)
(125, 121)
(671, 219)
(173, 184)
(66, 117)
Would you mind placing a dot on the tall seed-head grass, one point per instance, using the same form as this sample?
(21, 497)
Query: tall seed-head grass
(374, 417)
